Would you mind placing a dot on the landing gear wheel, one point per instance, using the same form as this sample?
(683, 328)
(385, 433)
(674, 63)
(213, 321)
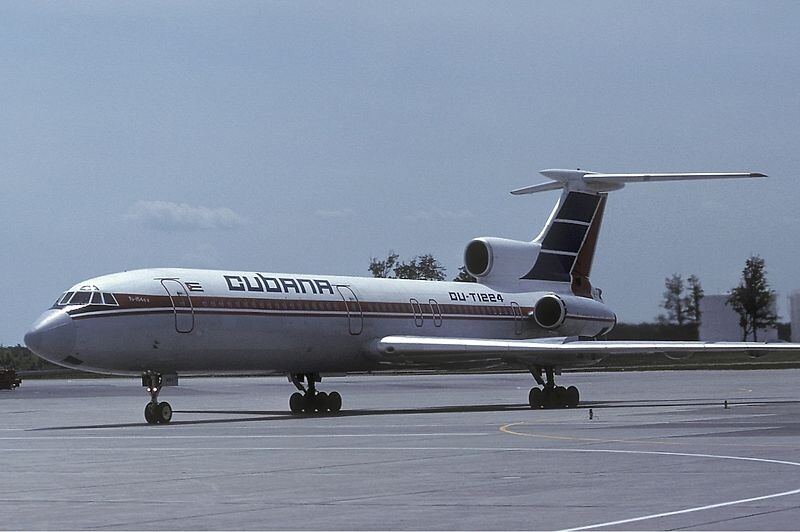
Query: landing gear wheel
(150, 413)
(550, 395)
(321, 402)
(164, 412)
(296, 402)
(573, 397)
(334, 402)
(560, 397)
(308, 404)
(549, 398)
(158, 413)
(155, 412)
(308, 400)
(536, 398)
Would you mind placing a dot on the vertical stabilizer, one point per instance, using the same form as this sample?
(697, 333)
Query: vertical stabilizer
(568, 241)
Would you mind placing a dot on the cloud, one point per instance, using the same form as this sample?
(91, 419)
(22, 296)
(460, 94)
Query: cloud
(168, 216)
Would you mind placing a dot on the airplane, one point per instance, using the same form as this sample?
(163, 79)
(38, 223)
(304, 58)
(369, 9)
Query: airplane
(533, 308)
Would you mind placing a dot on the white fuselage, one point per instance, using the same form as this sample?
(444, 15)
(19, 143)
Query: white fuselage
(533, 308)
(203, 321)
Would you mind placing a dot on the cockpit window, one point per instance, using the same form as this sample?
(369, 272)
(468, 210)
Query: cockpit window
(80, 298)
(91, 296)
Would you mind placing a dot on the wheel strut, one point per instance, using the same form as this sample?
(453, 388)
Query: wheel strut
(155, 412)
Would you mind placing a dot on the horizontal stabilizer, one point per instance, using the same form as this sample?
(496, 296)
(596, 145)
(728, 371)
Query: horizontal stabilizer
(584, 181)
(543, 187)
(643, 178)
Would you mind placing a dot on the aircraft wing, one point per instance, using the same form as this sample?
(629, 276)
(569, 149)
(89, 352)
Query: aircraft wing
(562, 351)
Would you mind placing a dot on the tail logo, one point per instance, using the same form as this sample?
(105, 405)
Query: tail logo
(564, 236)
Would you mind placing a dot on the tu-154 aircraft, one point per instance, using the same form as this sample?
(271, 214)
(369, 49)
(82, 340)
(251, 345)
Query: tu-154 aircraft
(533, 308)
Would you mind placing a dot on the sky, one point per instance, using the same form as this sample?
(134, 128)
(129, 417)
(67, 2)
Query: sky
(311, 136)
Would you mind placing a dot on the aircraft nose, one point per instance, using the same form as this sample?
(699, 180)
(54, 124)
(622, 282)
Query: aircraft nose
(52, 336)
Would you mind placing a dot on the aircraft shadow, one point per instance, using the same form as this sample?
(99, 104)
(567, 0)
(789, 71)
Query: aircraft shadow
(643, 403)
(281, 415)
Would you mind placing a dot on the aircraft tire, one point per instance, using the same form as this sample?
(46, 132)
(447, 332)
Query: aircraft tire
(554, 398)
(560, 397)
(308, 403)
(321, 402)
(334, 402)
(573, 397)
(150, 414)
(536, 398)
(163, 412)
(296, 403)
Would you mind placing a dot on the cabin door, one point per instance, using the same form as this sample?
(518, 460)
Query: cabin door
(181, 305)
(355, 318)
(517, 312)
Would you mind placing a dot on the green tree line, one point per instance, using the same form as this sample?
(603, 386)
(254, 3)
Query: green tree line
(20, 358)
(752, 300)
(424, 267)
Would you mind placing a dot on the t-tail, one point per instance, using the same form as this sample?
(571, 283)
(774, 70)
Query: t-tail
(560, 257)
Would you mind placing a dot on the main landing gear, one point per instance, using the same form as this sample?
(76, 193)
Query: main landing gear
(155, 412)
(550, 395)
(311, 401)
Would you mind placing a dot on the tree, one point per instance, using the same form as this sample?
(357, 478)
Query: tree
(693, 299)
(22, 359)
(753, 299)
(424, 267)
(383, 268)
(430, 269)
(464, 276)
(674, 301)
(421, 267)
(682, 308)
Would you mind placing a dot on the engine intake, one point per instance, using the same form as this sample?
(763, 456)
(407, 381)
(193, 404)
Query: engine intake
(550, 312)
(501, 258)
(572, 315)
(477, 258)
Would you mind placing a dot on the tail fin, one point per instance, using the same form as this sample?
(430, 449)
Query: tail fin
(569, 238)
(568, 241)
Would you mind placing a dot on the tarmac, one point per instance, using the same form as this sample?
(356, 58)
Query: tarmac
(410, 452)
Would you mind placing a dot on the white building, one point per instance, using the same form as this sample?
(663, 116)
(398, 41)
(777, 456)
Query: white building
(794, 311)
(720, 323)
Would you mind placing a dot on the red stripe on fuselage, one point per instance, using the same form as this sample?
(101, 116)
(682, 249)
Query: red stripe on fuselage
(131, 304)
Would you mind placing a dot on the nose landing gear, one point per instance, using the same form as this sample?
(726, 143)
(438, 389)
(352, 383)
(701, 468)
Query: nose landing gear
(155, 412)
(550, 395)
(310, 400)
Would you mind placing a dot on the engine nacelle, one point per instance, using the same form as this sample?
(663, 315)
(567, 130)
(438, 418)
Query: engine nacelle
(573, 315)
(501, 257)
